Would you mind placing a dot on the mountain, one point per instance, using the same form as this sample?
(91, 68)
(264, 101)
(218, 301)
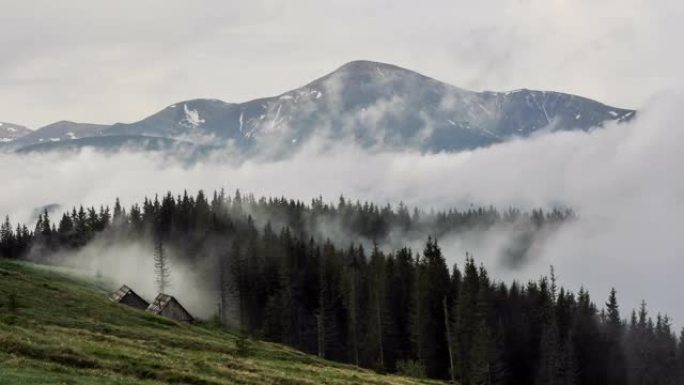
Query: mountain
(113, 143)
(61, 131)
(194, 120)
(376, 105)
(10, 132)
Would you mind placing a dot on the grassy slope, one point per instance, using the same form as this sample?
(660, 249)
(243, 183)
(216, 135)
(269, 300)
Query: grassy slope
(65, 331)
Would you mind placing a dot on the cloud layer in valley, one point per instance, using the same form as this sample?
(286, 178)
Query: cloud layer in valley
(623, 181)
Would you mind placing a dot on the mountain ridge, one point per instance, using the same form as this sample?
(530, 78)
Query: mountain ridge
(63, 130)
(377, 104)
(9, 132)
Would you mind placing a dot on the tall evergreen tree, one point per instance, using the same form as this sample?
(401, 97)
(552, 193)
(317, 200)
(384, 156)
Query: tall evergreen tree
(615, 365)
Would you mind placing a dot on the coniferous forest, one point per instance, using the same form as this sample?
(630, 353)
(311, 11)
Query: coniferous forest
(330, 279)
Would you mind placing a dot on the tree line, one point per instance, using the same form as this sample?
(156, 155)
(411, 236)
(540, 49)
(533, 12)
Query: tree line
(405, 311)
(189, 216)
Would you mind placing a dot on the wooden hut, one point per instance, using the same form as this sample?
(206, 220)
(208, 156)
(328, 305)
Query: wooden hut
(126, 296)
(167, 306)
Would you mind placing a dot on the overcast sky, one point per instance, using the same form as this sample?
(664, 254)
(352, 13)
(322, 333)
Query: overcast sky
(108, 61)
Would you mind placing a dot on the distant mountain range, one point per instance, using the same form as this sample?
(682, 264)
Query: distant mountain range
(62, 131)
(374, 104)
(10, 132)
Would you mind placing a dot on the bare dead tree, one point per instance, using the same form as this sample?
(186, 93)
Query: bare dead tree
(161, 266)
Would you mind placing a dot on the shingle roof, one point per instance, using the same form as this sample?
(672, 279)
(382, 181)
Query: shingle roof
(159, 303)
(162, 302)
(118, 295)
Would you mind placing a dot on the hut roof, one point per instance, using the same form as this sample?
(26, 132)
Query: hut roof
(159, 303)
(163, 301)
(127, 296)
(118, 295)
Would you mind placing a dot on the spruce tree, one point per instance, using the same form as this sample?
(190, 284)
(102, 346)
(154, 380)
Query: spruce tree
(615, 366)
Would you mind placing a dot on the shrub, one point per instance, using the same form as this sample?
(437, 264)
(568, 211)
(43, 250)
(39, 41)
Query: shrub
(12, 303)
(244, 345)
(411, 368)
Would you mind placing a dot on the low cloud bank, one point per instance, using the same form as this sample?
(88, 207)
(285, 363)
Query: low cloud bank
(624, 182)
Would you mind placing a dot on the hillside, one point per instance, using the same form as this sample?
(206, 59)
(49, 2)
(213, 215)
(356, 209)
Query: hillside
(56, 328)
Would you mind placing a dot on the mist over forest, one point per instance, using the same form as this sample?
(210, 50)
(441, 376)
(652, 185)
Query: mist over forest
(490, 233)
(299, 274)
(622, 192)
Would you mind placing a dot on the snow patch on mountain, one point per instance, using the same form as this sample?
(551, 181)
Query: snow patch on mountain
(192, 118)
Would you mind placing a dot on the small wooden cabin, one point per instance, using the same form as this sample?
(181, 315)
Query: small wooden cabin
(167, 306)
(126, 296)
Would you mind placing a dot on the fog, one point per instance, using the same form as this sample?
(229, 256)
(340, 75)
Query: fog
(133, 264)
(624, 181)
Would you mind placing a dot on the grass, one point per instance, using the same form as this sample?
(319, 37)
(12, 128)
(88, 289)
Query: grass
(60, 329)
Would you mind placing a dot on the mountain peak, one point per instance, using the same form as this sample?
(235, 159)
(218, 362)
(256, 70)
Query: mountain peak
(368, 65)
(358, 73)
(372, 69)
(60, 123)
(10, 132)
